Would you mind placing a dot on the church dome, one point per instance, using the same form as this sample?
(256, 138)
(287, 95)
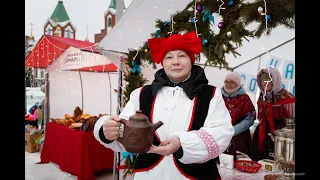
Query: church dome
(31, 37)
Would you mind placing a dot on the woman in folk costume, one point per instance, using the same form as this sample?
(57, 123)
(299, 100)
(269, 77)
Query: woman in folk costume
(274, 105)
(242, 113)
(197, 125)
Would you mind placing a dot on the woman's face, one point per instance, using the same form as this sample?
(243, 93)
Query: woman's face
(230, 85)
(177, 65)
(266, 85)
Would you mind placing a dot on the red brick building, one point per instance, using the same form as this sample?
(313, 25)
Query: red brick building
(59, 23)
(109, 22)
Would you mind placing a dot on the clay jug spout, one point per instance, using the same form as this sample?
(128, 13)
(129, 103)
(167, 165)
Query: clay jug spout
(155, 126)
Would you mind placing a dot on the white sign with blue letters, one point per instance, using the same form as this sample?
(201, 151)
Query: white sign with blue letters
(244, 79)
(249, 82)
(288, 71)
(274, 62)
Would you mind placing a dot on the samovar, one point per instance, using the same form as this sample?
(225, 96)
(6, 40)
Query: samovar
(284, 149)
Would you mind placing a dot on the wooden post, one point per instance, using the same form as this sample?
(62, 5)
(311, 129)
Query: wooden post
(46, 109)
(25, 93)
(82, 108)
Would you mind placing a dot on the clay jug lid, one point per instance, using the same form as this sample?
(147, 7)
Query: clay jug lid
(138, 116)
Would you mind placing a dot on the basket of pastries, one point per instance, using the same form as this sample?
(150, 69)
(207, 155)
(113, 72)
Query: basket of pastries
(247, 166)
(62, 122)
(77, 120)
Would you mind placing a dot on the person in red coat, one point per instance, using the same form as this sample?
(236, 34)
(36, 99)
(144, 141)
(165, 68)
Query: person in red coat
(242, 113)
(275, 104)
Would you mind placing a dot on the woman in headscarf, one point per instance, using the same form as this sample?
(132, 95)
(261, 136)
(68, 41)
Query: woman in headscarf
(242, 113)
(274, 105)
(197, 125)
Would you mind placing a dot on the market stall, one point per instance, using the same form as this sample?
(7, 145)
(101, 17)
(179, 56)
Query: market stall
(78, 78)
(76, 75)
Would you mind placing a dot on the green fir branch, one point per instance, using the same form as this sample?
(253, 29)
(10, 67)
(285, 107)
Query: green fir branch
(130, 165)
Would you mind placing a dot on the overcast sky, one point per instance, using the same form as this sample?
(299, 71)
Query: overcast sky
(82, 13)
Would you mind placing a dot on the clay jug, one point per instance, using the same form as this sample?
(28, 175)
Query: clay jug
(138, 133)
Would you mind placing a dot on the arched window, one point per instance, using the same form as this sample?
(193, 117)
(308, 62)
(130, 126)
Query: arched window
(48, 30)
(109, 21)
(68, 33)
(57, 32)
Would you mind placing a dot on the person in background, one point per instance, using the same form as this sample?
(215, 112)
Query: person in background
(42, 109)
(32, 117)
(242, 113)
(35, 116)
(274, 105)
(197, 125)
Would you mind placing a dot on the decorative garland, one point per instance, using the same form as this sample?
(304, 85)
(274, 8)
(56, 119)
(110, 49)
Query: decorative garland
(236, 16)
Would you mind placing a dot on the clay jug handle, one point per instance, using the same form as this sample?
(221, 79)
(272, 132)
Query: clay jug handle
(124, 122)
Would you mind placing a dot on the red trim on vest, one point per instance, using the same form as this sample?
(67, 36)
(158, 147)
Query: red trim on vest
(121, 167)
(151, 115)
(192, 116)
(140, 92)
(214, 91)
(148, 168)
(187, 176)
(156, 136)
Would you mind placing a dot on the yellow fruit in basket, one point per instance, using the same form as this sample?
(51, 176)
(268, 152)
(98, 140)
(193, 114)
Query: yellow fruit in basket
(77, 119)
(76, 125)
(72, 120)
(85, 116)
(59, 122)
(67, 116)
(63, 123)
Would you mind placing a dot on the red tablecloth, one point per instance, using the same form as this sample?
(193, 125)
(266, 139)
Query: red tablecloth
(77, 153)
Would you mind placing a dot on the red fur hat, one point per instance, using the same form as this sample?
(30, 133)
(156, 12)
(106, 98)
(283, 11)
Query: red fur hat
(188, 42)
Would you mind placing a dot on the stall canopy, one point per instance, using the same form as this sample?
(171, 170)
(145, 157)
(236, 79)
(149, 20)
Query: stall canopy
(138, 22)
(50, 48)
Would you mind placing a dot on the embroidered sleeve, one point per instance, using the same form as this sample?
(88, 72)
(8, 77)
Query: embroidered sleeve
(212, 139)
(211, 144)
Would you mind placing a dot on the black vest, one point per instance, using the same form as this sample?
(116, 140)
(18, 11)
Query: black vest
(203, 171)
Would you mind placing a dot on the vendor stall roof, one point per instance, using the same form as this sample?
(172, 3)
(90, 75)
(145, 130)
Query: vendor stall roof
(49, 48)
